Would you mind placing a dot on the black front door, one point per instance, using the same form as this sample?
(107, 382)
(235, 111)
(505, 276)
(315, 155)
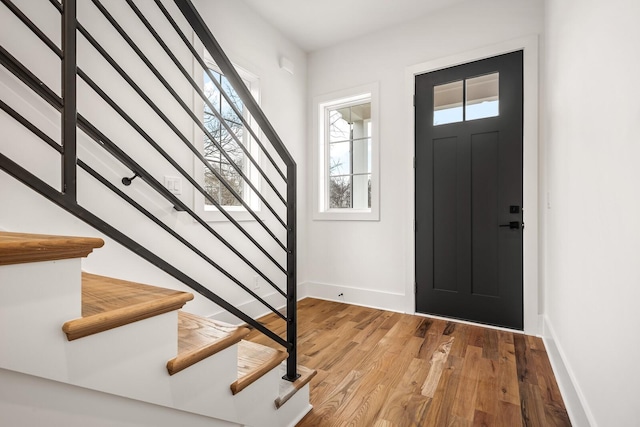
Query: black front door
(468, 183)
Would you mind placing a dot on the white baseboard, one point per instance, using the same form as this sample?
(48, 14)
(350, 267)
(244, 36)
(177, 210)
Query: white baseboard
(253, 309)
(356, 296)
(574, 399)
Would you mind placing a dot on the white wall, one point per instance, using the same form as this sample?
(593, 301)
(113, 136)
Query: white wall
(249, 42)
(592, 236)
(370, 262)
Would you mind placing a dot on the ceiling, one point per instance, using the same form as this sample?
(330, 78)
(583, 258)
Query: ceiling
(315, 24)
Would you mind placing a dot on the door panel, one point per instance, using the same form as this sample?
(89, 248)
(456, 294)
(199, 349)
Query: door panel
(469, 196)
(485, 207)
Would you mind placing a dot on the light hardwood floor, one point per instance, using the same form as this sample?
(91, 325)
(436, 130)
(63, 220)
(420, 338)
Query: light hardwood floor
(381, 369)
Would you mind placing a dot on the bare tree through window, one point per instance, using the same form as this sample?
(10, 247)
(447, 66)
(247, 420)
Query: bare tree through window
(225, 139)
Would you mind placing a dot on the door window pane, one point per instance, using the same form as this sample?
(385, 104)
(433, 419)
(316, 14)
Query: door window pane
(447, 103)
(483, 97)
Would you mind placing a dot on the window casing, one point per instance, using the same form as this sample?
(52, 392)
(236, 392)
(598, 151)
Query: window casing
(346, 163)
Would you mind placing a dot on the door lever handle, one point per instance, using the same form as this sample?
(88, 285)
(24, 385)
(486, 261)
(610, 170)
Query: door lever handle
(513, 225)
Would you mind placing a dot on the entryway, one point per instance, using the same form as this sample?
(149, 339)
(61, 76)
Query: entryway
(469, 191)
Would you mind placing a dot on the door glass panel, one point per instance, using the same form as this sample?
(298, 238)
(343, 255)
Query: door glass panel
(483, 97)
(447, 103)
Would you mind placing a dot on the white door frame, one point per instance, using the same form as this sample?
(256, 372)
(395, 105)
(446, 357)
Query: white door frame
(529, 45)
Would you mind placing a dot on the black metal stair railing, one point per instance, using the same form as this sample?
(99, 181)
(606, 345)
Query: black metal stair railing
(280, 162)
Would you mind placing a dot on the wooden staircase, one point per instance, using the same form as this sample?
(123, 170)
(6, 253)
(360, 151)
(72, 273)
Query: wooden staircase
(144, 314)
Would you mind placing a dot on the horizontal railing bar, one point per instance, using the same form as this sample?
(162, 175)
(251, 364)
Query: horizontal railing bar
(33, 27)
(99, 224)
(202, 95)
(175, 164)
(27, 124)
(30, 79)
(218, 55)
(185, 107)
(178, 133)
(53, 47)
(115, 151)
(169, 230)
(47, 94)
(205, 68)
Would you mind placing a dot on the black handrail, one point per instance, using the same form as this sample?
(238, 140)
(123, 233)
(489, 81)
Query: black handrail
(204, 98)
(193, 117)
(47, 94)
(71, 120)
(62, 200)
(206, 69)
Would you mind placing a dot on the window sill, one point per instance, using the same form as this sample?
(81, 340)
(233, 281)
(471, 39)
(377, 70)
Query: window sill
(240, 215)
(347, 215)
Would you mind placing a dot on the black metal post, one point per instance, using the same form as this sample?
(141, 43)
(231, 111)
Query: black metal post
(69, 110)
(292, 291)
(211, 45)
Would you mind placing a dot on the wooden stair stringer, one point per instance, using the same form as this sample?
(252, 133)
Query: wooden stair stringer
(254, 361)
(108, 303)
(20, 248)
(199, 338)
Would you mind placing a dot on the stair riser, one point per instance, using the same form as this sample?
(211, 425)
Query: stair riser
(27, 401)
(128, 360)
(33, 341)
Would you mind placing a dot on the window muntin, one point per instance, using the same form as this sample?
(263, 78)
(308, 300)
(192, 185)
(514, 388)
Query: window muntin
(348, 163)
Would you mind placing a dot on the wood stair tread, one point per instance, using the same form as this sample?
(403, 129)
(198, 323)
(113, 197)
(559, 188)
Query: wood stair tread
(254, 360)
(18, 248)
(200, 337)
(289, 389)
(108, 303)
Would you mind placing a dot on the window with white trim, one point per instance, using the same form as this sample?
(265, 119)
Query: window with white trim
(229, 132)
(347, 156)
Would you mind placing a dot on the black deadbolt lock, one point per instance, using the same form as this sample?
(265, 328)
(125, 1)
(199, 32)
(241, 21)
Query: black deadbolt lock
(514, 209)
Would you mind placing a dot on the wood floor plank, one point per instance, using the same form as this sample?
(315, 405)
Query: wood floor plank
(374, 367)
(508, 389)
(438, 361)
(532, 406)
(444, 397)
(525, 362)
(464, 405)
(482, 419)
(486, 400)
(509, 415)
(490, 344)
